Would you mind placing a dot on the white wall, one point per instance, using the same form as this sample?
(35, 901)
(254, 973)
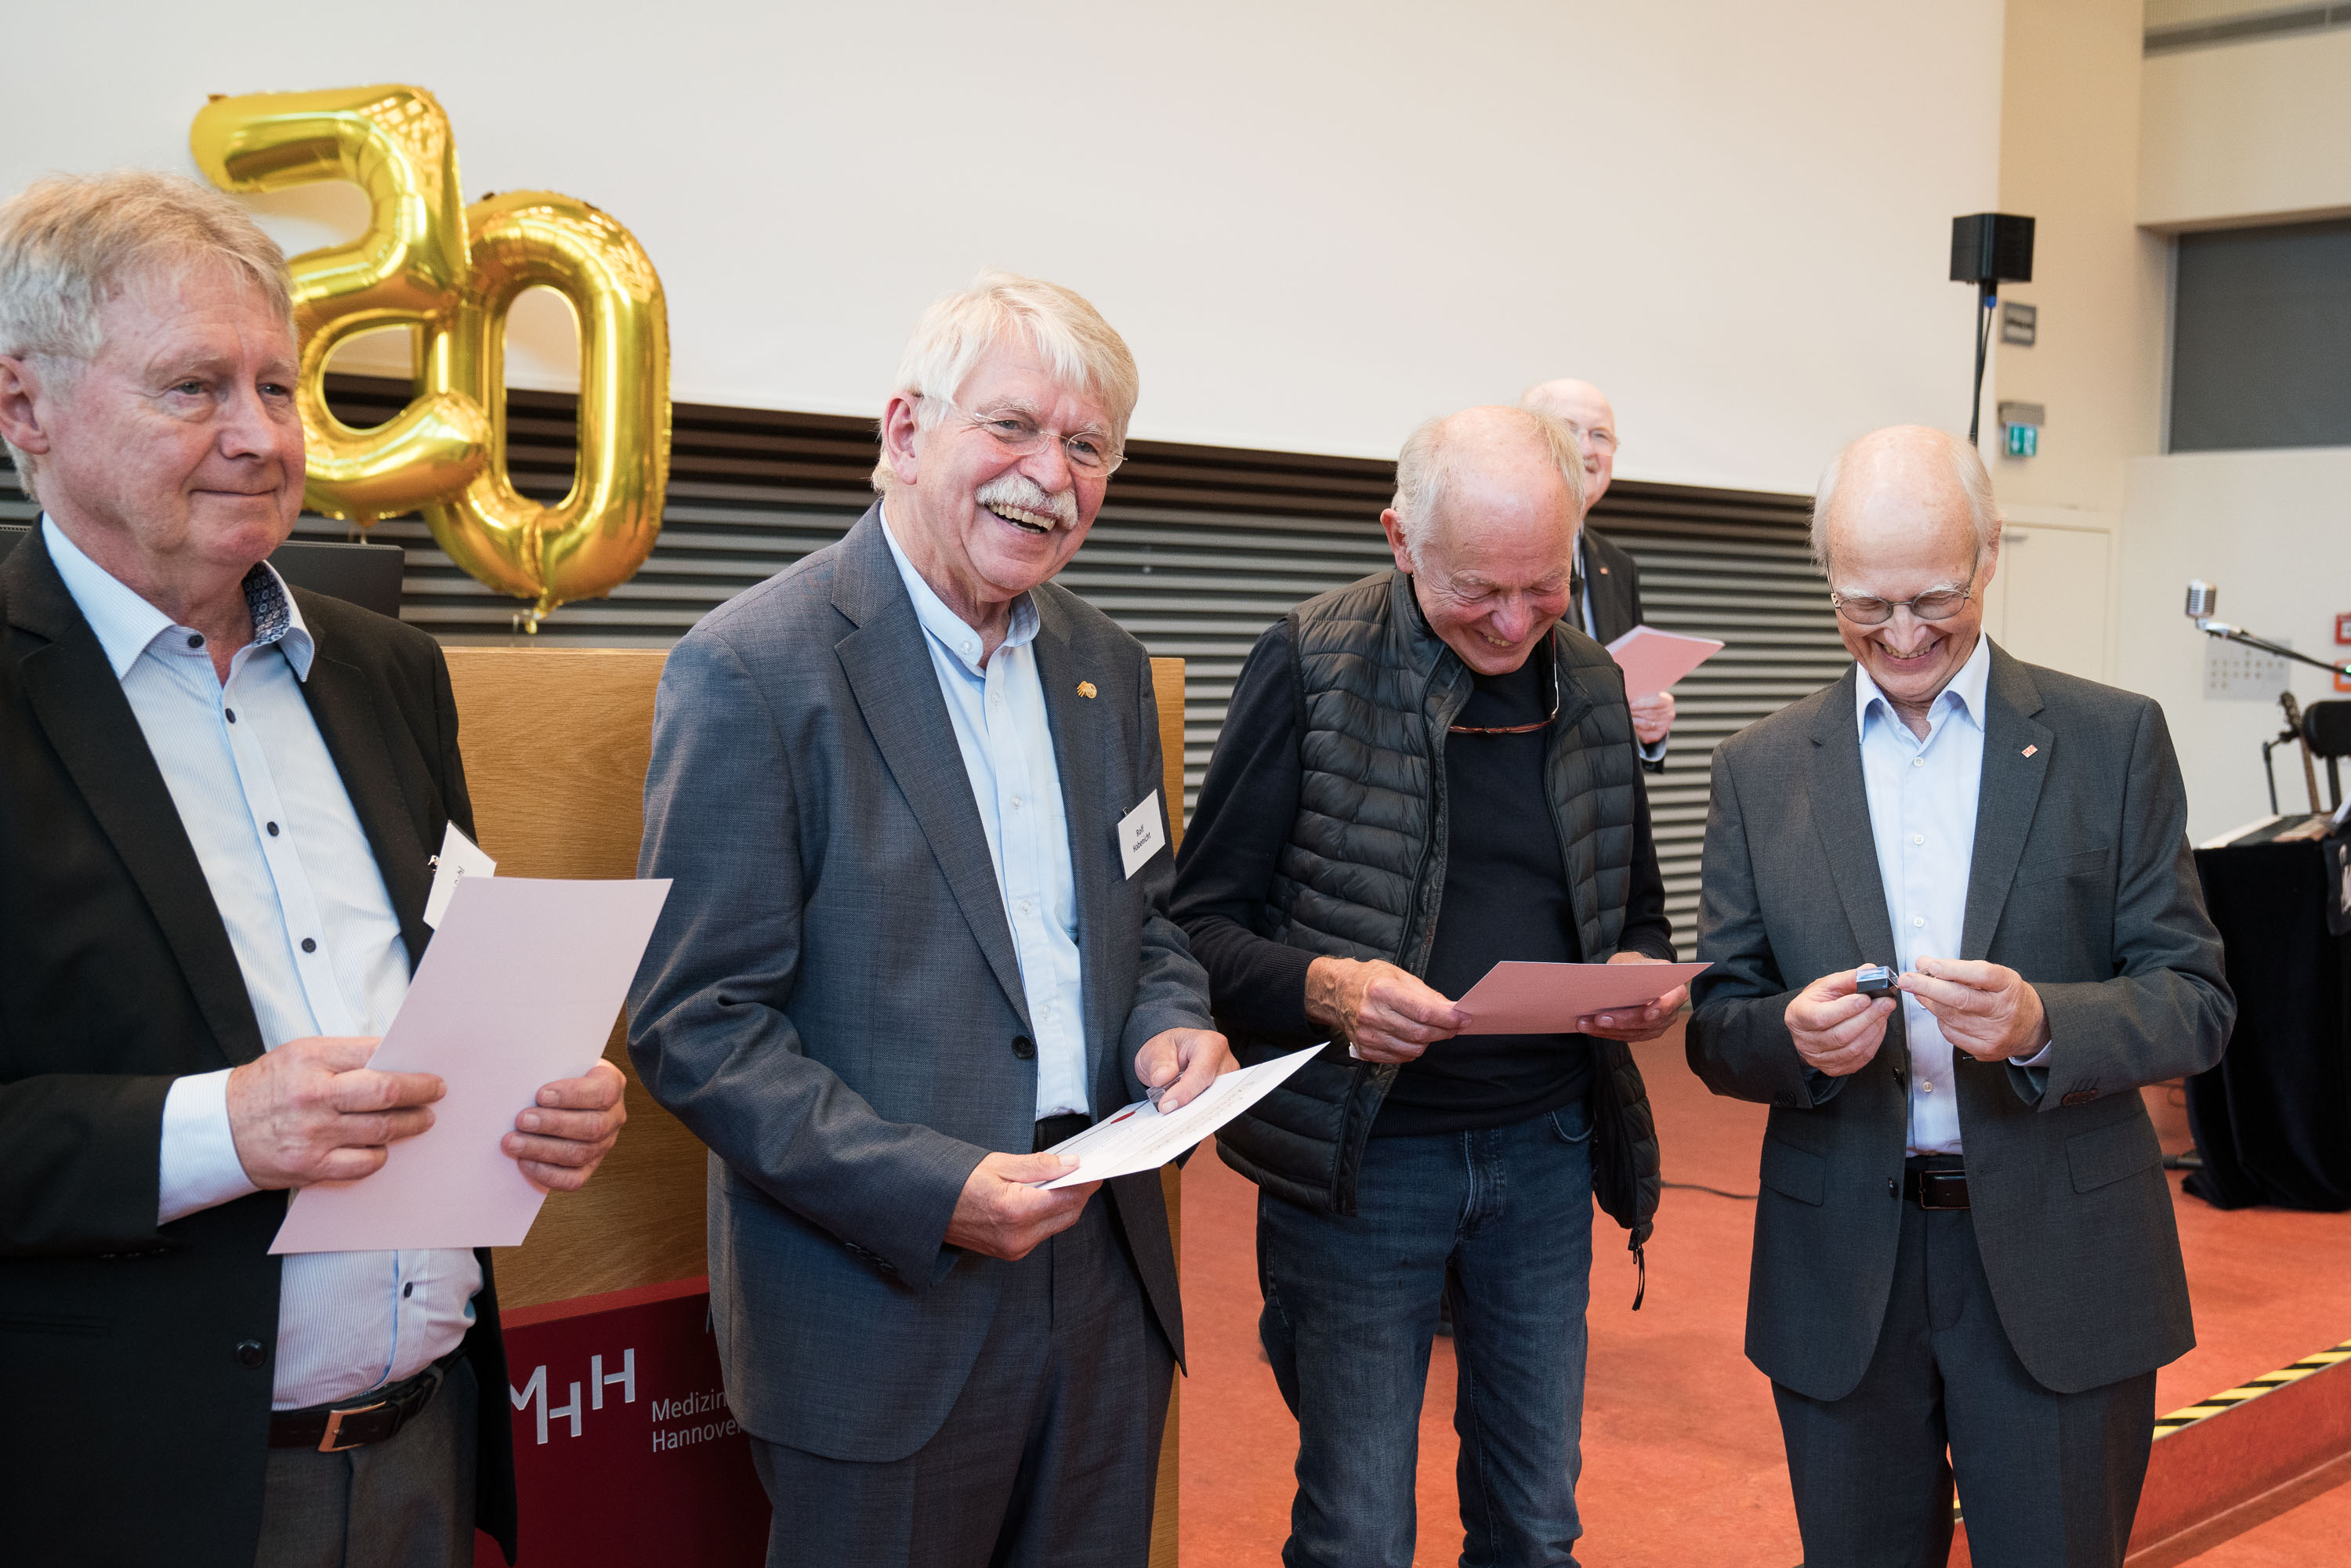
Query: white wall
(2273, 530)
(2249, 132)
(1315, 223)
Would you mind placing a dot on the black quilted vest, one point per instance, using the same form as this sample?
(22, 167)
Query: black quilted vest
(1364, 868)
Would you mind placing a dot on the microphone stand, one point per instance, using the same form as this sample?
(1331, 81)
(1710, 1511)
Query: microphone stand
(2227, 633)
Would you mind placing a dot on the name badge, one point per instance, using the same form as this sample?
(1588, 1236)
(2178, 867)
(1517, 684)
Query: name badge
(1140, 834)
(460, 858)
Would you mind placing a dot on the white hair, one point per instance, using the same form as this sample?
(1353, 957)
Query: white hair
(71, 243)
(1425, 468)
(1967, 472)
(1081, 349)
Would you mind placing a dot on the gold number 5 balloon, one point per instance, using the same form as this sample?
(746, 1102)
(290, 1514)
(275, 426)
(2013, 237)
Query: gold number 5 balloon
(452, 274)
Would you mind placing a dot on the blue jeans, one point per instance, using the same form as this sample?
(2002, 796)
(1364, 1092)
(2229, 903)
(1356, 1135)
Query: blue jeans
(1350, 1309)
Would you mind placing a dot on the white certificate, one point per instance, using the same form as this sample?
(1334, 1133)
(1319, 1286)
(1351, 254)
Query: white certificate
(1140, 1138)
(519, 987)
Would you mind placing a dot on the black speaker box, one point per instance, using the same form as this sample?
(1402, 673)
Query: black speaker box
(1991, 248)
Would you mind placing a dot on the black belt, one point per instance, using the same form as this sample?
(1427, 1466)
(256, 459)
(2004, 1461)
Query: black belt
(1936, 1189)
(1059, 1130)
(361, 1419)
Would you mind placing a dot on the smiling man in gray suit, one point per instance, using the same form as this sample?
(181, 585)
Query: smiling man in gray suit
(1965, 1257)
(902, 958)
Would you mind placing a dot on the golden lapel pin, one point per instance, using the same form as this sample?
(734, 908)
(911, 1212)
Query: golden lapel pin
(2031, 749)
(1086, 689)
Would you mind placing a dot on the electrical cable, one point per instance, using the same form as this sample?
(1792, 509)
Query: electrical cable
(1984, 305)
(1701, 1186)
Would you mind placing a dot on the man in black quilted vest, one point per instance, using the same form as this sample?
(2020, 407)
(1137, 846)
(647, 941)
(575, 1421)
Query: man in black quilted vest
(1421, 774)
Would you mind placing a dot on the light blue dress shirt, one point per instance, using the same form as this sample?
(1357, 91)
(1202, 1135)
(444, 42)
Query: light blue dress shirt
(316, 941)
(1922, 815)
(1007, 741)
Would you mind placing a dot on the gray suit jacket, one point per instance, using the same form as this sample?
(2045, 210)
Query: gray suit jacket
(833, 1002)
(2082, 883)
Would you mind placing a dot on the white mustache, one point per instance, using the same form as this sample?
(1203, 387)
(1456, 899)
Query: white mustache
(1015, 491)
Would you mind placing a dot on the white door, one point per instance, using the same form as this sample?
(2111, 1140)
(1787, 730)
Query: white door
(2048, 601)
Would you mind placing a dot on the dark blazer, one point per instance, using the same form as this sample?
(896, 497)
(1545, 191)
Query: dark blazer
(2082, 883)
(1614, 584)
(833, 1001)
(135, 1359)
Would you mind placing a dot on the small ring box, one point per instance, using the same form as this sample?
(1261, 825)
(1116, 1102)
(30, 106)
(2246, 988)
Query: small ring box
(1873, 980)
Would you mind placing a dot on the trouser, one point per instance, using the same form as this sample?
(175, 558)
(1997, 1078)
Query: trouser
(2045, 1478)
(1050, 1454)
(1351, 1305)
(405, 1502)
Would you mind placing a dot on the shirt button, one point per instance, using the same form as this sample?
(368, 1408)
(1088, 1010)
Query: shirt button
(232, 714)
(1925, 1086)
(273, 829)
(195, 640)
(1016, 802)
(1917, 762)
(1027, 907)
(309, 943)
(1917, 838)
(1918, 920)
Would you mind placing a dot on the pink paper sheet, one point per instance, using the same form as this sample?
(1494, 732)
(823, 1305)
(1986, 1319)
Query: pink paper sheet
(1517, 998)
(1654, 660)
(519, 987)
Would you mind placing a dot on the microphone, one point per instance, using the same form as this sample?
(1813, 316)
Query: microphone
(2202, 597)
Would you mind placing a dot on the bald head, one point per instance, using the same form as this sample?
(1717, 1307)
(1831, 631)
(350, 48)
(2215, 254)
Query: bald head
(1905, 526)
(1908, 480)
(1586, 410)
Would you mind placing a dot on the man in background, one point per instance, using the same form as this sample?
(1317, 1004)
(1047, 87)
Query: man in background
(903, 959)
(218, 801)
(1608, 602)
(1419, 775)
(1966, 1262)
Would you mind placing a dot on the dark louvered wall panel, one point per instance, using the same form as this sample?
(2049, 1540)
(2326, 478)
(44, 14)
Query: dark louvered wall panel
(1197, 551)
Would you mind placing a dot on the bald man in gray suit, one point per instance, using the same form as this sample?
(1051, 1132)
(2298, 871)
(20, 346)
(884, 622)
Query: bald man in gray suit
(1965, 1255)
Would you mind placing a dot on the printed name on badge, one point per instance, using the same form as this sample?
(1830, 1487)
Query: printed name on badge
(1140, 835)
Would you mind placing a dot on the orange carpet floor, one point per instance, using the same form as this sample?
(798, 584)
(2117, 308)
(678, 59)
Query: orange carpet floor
(1682, 1458)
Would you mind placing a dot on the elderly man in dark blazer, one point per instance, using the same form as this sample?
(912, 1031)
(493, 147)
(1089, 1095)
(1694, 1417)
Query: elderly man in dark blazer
(904, 955)
(1610, 601)
(1965, 1257)
(218, 797)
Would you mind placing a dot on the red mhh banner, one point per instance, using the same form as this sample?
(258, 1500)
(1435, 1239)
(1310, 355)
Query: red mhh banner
(625, 1451)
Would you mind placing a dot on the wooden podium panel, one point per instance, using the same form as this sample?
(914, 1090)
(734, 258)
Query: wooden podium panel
(556, 744)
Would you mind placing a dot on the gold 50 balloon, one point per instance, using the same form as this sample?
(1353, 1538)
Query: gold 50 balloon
(452, 273)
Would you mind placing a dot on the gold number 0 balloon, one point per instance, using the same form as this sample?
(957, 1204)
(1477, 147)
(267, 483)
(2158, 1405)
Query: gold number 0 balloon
(600, 533)
(454, 277)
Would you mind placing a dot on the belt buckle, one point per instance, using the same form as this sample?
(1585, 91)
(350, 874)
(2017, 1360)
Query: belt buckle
(1931, 1188)
(326, 1441)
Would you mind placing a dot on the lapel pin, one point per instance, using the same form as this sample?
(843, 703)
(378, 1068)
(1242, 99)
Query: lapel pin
(2031, 749)
(1085, 688)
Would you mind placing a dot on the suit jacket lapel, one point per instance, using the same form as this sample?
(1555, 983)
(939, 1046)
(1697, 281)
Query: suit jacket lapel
(2006, 799)
(343, 706)
(889, 672)
(1083, 732)
(1839, 797)
(79, 704)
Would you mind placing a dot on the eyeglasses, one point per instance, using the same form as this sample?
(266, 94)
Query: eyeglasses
(1939, 605)
(1090, 452)
(1549, 670)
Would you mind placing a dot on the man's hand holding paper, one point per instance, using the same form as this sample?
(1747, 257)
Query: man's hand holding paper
(1634, 1024)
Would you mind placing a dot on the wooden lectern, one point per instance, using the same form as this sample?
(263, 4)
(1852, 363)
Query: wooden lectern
(556, 746)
